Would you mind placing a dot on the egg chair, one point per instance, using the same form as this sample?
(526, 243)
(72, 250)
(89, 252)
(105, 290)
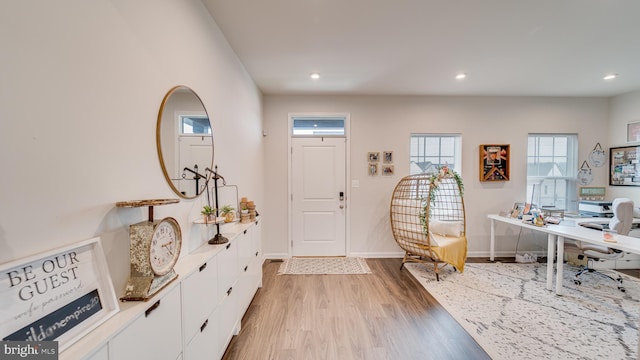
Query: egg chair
(428, 219)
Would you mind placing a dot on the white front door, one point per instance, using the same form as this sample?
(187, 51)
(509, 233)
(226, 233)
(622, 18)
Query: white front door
(318, 175)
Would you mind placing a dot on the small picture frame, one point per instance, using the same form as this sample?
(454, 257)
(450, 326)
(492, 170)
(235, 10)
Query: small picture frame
(387, 170)
(517, 210)
(373, 157)
(494, 162)
(633, 132)
(387, 157)
(373, 169)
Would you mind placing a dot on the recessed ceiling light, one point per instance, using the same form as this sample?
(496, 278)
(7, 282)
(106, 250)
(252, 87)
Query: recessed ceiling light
(315, 75)
(461, 76)
(610, 76)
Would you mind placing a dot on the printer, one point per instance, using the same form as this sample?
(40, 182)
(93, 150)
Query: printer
(595, 208)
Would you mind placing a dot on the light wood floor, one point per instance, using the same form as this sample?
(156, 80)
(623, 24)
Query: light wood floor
(383, 315)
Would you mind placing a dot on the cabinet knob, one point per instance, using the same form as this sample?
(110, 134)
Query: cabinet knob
(203, 266)
(204, 325)
(245, 268)
(229, 291)
(228, 246)
(245, 232)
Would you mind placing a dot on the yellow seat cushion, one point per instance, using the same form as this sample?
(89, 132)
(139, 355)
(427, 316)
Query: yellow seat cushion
(450, 249)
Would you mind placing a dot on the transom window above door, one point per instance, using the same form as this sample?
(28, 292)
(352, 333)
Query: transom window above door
(318, 126)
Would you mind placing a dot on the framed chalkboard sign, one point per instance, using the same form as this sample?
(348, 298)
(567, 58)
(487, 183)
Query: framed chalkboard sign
(625, 169)
(60, 295)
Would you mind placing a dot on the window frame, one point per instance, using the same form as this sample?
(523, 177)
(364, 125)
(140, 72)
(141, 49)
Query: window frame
(569, 178)
(457, 152)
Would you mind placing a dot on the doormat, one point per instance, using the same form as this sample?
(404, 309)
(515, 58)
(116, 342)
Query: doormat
(324, 266)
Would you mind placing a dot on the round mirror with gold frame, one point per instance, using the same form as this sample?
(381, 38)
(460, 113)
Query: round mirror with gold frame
(184, 138)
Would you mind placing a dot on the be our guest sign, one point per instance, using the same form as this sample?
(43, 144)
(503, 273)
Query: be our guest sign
(57, 296)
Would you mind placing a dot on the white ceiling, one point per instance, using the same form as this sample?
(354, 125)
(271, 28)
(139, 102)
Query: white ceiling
(507, 47)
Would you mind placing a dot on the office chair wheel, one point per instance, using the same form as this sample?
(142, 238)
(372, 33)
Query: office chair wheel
(622, 289)
(577, 282)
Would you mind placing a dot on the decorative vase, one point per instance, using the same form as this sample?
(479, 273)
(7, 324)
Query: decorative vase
(228, 217)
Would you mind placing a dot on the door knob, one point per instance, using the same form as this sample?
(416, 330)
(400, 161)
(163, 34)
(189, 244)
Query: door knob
(341, 206)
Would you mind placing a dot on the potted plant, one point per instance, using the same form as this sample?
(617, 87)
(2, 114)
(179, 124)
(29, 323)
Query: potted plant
(245, 209)
(227, 212)
(209, 214)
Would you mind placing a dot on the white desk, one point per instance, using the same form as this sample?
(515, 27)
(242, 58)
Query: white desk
(551, 239)
(557, 234)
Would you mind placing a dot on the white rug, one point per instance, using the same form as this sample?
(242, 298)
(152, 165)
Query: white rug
(509, 312)
(324, 265)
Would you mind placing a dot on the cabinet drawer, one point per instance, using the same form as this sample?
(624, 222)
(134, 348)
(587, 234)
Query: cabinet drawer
(227, 268)
(245, 248)
(256, 240)
(204, 345)
(227, 316)
(255, 272)
(246, 289)
(102, 354)
(199, 294)
(155, 334)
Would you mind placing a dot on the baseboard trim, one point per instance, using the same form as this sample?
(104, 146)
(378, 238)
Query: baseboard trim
(395, 254)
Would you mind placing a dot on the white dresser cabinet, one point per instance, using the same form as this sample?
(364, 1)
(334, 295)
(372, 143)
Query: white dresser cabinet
(154, 334)
(194, 317)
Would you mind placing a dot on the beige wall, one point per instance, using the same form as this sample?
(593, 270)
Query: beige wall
(380, 123)
(82, 83)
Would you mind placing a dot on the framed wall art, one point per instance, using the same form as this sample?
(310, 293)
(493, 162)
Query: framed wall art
(625, 169)
(387, 157)
(373, 156)
(372, 169)
(633, 132)
(494, 162)
(60, 295)
(387, 170)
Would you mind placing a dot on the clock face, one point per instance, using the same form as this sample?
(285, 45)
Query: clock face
(164, 248)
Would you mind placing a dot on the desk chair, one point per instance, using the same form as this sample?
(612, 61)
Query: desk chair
(621, 224)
